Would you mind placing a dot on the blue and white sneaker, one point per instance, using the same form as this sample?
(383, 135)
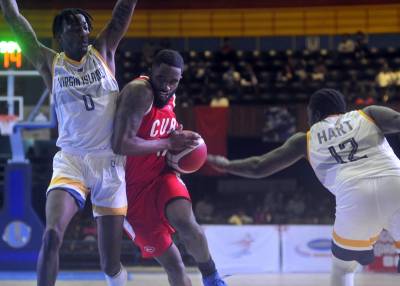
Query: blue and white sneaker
(214, 280)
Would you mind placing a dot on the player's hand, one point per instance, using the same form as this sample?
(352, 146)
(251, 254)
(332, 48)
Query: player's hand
(219, 163)
(182, 139)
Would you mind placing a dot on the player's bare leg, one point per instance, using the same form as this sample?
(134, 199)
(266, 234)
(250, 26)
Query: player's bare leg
(171, 261)
(109, 230)
(180, 215)
(60, 208)
(343, 272)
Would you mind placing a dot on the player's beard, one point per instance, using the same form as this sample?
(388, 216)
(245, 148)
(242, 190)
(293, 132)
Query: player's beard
(160, 101)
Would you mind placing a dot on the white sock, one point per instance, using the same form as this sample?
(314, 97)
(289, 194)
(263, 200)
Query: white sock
(119, 279)
(343, 272)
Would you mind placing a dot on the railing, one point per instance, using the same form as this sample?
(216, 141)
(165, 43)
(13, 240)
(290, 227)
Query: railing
(240, 22)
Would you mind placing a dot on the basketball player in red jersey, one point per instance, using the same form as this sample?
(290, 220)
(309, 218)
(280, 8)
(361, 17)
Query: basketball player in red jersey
(145, 128)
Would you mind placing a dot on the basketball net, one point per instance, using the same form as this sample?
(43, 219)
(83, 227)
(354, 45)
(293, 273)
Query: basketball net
(7, 123)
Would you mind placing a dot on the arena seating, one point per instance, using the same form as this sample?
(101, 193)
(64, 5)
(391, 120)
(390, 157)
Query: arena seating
(353, 73)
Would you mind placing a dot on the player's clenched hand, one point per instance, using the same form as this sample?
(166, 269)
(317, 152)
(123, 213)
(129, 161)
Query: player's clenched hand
(182, 139)
(220, 163)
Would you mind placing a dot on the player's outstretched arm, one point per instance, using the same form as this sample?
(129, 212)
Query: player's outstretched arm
(108, 39)
(272, 162)
(134, 102)
(387, 119)
(40, 56)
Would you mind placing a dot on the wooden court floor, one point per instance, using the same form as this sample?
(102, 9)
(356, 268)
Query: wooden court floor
(160, 279)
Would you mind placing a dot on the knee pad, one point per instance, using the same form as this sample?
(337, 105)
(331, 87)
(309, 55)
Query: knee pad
(364, 257)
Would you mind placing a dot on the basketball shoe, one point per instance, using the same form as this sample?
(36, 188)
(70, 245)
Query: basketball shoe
(214, 280)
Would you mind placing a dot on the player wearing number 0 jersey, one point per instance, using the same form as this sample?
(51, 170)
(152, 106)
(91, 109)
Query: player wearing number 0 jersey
(83, 92)
(83, 89)
(351, 157)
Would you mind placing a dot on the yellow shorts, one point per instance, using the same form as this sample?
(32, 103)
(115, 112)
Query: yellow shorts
(101, 176)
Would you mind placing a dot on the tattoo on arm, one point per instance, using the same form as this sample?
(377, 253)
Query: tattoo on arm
(120, 17)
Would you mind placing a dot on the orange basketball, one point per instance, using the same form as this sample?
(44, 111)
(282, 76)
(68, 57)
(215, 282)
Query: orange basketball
(189, 160)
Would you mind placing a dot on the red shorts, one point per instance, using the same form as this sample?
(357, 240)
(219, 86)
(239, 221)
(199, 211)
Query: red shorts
(146, 222)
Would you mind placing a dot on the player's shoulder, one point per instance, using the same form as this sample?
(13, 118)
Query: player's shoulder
(371, 109)
(370, 112)
(137, 93)
(138, 88)
(140, 83)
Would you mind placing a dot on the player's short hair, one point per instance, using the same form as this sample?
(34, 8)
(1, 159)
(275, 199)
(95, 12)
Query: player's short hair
(169, 57)
(327, 101)
(69, 15)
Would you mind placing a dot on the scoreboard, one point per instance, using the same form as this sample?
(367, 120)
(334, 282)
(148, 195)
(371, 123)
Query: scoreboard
(10, 55)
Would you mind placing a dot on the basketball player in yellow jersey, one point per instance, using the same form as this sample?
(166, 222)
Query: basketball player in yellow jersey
(81, 80)
(351, 157)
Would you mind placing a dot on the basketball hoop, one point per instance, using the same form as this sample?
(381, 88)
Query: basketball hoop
(7, 123)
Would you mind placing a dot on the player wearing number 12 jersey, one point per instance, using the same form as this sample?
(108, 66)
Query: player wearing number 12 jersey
(351, 157)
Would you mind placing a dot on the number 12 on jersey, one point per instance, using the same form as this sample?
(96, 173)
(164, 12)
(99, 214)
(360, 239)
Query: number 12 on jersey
(349, 143)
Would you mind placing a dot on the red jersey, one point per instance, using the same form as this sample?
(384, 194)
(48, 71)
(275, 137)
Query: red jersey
(157, 124)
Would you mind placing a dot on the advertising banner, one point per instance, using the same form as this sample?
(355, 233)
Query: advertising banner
(244, 249)
(306, 248)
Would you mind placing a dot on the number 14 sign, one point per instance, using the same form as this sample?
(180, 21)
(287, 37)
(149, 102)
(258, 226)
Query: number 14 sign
(11, 55)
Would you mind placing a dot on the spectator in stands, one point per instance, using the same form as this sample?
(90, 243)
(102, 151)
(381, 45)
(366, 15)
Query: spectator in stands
(248, 77)
(231, 80)
(367, 97)
(300, 70)
(295, 207)
(386, 79)
(240, 218)
(200, 72)
(262, 215)
(286, 74)
(361, 49)
(219, 100)
(385, 76)
(204, 210)
(319, 72)
(280, 124)
(347, 45)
